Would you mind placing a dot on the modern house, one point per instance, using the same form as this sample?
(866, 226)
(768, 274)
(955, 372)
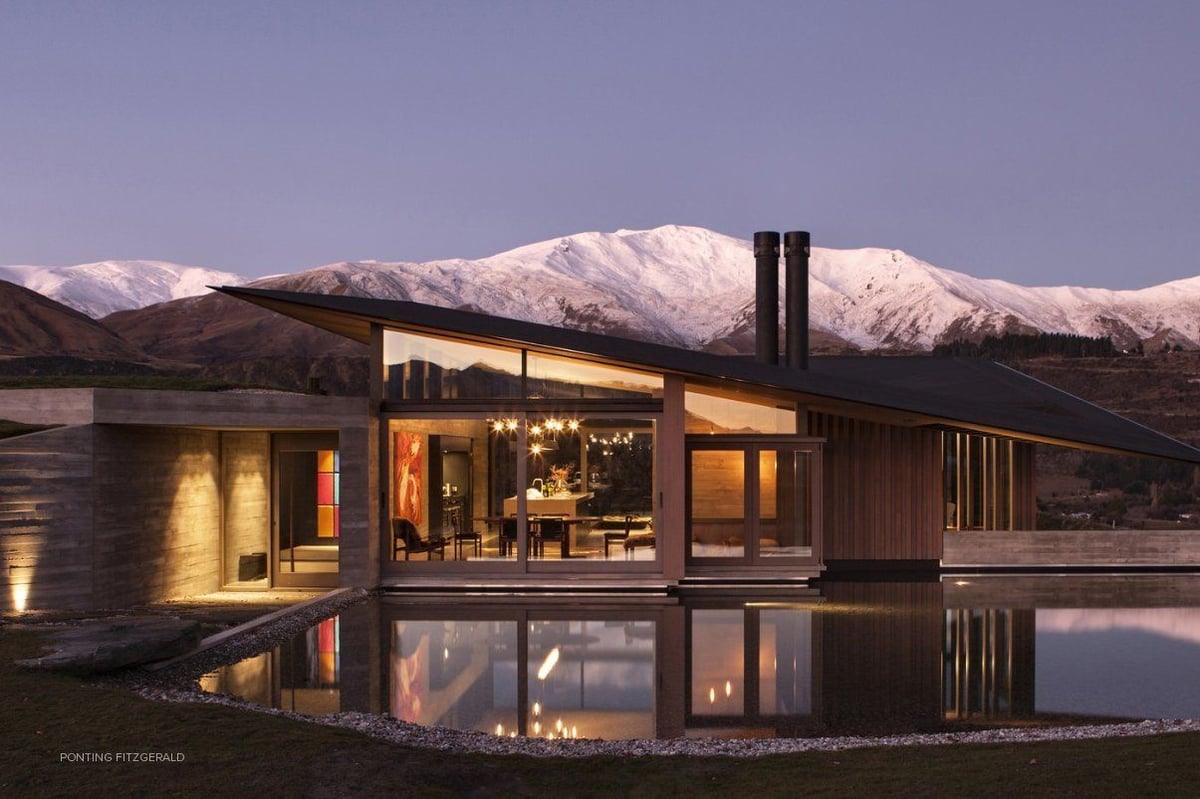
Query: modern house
(495, 452)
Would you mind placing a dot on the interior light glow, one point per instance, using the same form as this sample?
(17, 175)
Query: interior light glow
(548, 664)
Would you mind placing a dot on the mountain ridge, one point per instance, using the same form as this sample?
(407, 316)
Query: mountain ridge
(691, 287)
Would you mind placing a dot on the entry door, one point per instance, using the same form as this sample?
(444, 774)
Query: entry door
(306, 523)
(753, 500)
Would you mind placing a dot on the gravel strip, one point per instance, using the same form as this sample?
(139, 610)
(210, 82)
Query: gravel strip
(178, 683)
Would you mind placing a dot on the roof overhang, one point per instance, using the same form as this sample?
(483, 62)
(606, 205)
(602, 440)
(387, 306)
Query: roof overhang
(961, 394)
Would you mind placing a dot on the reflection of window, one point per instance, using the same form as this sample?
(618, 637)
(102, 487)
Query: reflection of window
(552, 377)
(977, 482)
(718, 663)
(428, 368)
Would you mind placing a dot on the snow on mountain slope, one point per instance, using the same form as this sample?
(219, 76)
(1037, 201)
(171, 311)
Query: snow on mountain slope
(102, 288)
(684, 286)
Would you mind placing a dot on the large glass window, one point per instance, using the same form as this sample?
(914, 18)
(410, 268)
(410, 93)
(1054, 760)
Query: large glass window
(525, 487)
(427, 368)
(977, 482)
(417, 367)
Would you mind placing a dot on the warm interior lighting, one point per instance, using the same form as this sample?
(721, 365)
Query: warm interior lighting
(728, 688)
(537, 708)
(548, 664)
(712, 695)
(20, 596)
(500, 729)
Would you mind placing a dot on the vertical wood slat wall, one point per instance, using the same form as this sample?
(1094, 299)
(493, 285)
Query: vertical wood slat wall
(1024, 486)
(882, 490)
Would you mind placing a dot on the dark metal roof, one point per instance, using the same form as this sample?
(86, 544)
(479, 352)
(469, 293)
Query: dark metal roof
(954, 392)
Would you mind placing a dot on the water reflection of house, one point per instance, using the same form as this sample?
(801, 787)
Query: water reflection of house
(854, 659)
(492, 451)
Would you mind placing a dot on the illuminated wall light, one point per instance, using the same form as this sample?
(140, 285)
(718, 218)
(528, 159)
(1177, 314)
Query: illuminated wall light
(537, 708)
(537, 728)
(20, 580)
(712, 695)
(728, 688)
(500, 729)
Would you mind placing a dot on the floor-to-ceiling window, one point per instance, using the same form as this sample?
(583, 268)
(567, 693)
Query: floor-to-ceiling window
(977, 475)
(497, 455)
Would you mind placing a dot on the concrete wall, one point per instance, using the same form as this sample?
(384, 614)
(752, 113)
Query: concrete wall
(994, 548)
(46, 524)
(360, 531)
(158, 514)
(245, 498)
(129, 505)
(68, 406)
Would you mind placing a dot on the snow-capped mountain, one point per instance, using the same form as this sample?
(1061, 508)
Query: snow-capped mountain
(102, 288)
(691, 287)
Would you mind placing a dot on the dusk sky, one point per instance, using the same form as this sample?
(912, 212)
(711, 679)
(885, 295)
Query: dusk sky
(1044, 143)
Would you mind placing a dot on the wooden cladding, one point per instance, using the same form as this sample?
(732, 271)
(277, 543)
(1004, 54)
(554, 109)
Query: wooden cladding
(882, 490)
(1024, 486)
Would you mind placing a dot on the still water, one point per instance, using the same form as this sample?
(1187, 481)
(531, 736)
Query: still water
(844, 658)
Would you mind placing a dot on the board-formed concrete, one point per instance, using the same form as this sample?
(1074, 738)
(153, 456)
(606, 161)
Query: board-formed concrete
(151, 495)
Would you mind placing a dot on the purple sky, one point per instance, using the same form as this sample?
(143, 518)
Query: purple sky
(1040, 142)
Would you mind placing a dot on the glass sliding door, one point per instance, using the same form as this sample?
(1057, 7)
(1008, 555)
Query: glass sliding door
(752, 499)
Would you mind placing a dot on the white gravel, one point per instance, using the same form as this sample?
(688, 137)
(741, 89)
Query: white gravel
(179, 684)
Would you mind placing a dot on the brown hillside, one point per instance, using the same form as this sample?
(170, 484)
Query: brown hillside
(214, 328)
(31, 324)
(1161, 391)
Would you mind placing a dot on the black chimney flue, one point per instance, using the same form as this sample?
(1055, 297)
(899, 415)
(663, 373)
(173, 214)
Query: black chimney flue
(766, 297)
(795, 254)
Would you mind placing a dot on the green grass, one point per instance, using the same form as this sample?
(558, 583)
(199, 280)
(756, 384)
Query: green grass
(233, 752)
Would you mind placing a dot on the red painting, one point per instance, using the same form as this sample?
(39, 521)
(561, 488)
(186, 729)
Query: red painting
(406, 472)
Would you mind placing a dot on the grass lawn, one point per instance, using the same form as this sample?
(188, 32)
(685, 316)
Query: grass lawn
(232, 752)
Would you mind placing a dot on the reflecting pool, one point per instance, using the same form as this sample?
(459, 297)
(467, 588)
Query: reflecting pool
(839, 659)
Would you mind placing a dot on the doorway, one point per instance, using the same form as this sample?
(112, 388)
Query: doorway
(306, 522)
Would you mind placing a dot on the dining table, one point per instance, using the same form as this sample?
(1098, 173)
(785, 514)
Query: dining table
(568, 539)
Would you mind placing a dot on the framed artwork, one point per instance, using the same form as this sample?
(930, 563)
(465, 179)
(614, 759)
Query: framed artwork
(408, 495)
